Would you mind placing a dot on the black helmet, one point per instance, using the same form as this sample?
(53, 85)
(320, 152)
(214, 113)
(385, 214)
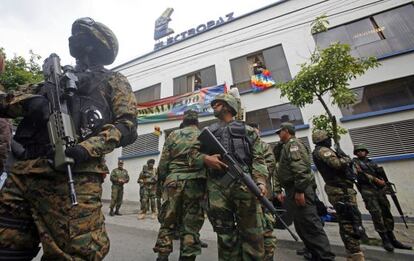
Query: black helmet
(86, 32)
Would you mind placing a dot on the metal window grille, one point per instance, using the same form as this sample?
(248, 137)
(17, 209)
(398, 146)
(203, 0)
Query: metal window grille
(146, 143)
(386, 139)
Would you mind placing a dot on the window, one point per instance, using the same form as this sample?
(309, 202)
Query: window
(272, 58)
(144, 144)
(381, 96)
(378, 35)
(271, 118)
(148, 94)
(195, 80)
(386, 139)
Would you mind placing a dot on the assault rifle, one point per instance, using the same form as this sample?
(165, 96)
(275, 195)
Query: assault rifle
(60, 87)
(389, 186)
(236, 172)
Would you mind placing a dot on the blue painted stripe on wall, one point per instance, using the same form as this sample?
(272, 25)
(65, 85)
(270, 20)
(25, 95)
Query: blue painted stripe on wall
(377, 113)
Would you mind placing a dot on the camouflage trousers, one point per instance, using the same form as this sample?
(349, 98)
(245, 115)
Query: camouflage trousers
(270, 240)
(147, 199)
(346, 230)
(181, 205)
(66, 232)
(116, 196)
(378, 206)
(237, 218)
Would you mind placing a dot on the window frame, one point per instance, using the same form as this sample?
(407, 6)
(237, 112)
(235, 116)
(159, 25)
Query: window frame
(189, 80)
(404, 82)
(369, 17)
(156, 97)
(300, 122)
(245, 86)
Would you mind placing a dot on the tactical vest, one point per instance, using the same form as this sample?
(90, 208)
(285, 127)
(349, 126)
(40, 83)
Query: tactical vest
(331, 176)
(233, 137)
(89, 108)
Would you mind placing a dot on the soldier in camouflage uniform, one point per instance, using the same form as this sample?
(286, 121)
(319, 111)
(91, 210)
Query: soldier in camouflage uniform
(270, 240)
(234, 212)
(182, 169)
(373, 191)
(34, 202)
(148, 189)
(295, 176)
(119, 177)
(340, 192)
(5, 130)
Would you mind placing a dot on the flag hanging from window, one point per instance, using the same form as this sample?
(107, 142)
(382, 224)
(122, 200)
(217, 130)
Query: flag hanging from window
(262, 81)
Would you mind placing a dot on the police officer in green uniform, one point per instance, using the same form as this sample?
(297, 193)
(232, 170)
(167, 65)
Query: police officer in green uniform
(34, 201)
(234, 212)
(119, 177)
(340, 191)
(295, 176)
(373, 190)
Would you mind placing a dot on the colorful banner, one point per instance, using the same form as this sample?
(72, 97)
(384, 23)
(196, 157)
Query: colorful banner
(173, 108)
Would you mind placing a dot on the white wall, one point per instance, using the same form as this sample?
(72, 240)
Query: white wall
(164, 65)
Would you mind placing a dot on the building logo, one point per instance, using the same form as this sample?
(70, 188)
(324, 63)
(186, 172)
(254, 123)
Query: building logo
(162, 30)
(161, 25)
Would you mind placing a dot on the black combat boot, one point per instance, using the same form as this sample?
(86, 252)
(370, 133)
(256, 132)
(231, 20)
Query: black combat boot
(117, 212)
(203, 244)
(111, 212)
(187, 258)
(386, 243)
(396, 243)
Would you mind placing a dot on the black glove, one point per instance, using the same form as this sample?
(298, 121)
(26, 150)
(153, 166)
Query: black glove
(127, 136)
(78, 153)
(37, 109)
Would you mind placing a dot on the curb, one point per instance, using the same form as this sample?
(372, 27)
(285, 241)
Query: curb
(371, 252)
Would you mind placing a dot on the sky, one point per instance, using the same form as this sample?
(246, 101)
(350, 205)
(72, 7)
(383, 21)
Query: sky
(44, 25)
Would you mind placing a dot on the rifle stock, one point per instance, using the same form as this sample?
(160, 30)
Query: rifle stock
(235, 170)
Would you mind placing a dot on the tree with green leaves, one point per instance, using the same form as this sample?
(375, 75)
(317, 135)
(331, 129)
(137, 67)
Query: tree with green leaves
(327, 72)
(19, 71)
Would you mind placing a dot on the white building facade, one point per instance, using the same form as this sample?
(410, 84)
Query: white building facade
(279, 36)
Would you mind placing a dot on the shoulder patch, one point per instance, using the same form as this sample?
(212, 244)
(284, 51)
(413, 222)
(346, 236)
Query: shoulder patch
(294, 148)
(327, 154)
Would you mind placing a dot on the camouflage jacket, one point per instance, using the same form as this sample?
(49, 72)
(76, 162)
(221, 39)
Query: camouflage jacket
(5, 139)
(180, 158)
(331, 167)
(119, 176)
(294, 166)
(147, 176)
(118, 93)
(271, 165)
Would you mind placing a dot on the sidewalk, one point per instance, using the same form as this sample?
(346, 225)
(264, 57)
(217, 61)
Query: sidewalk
(130, 211)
